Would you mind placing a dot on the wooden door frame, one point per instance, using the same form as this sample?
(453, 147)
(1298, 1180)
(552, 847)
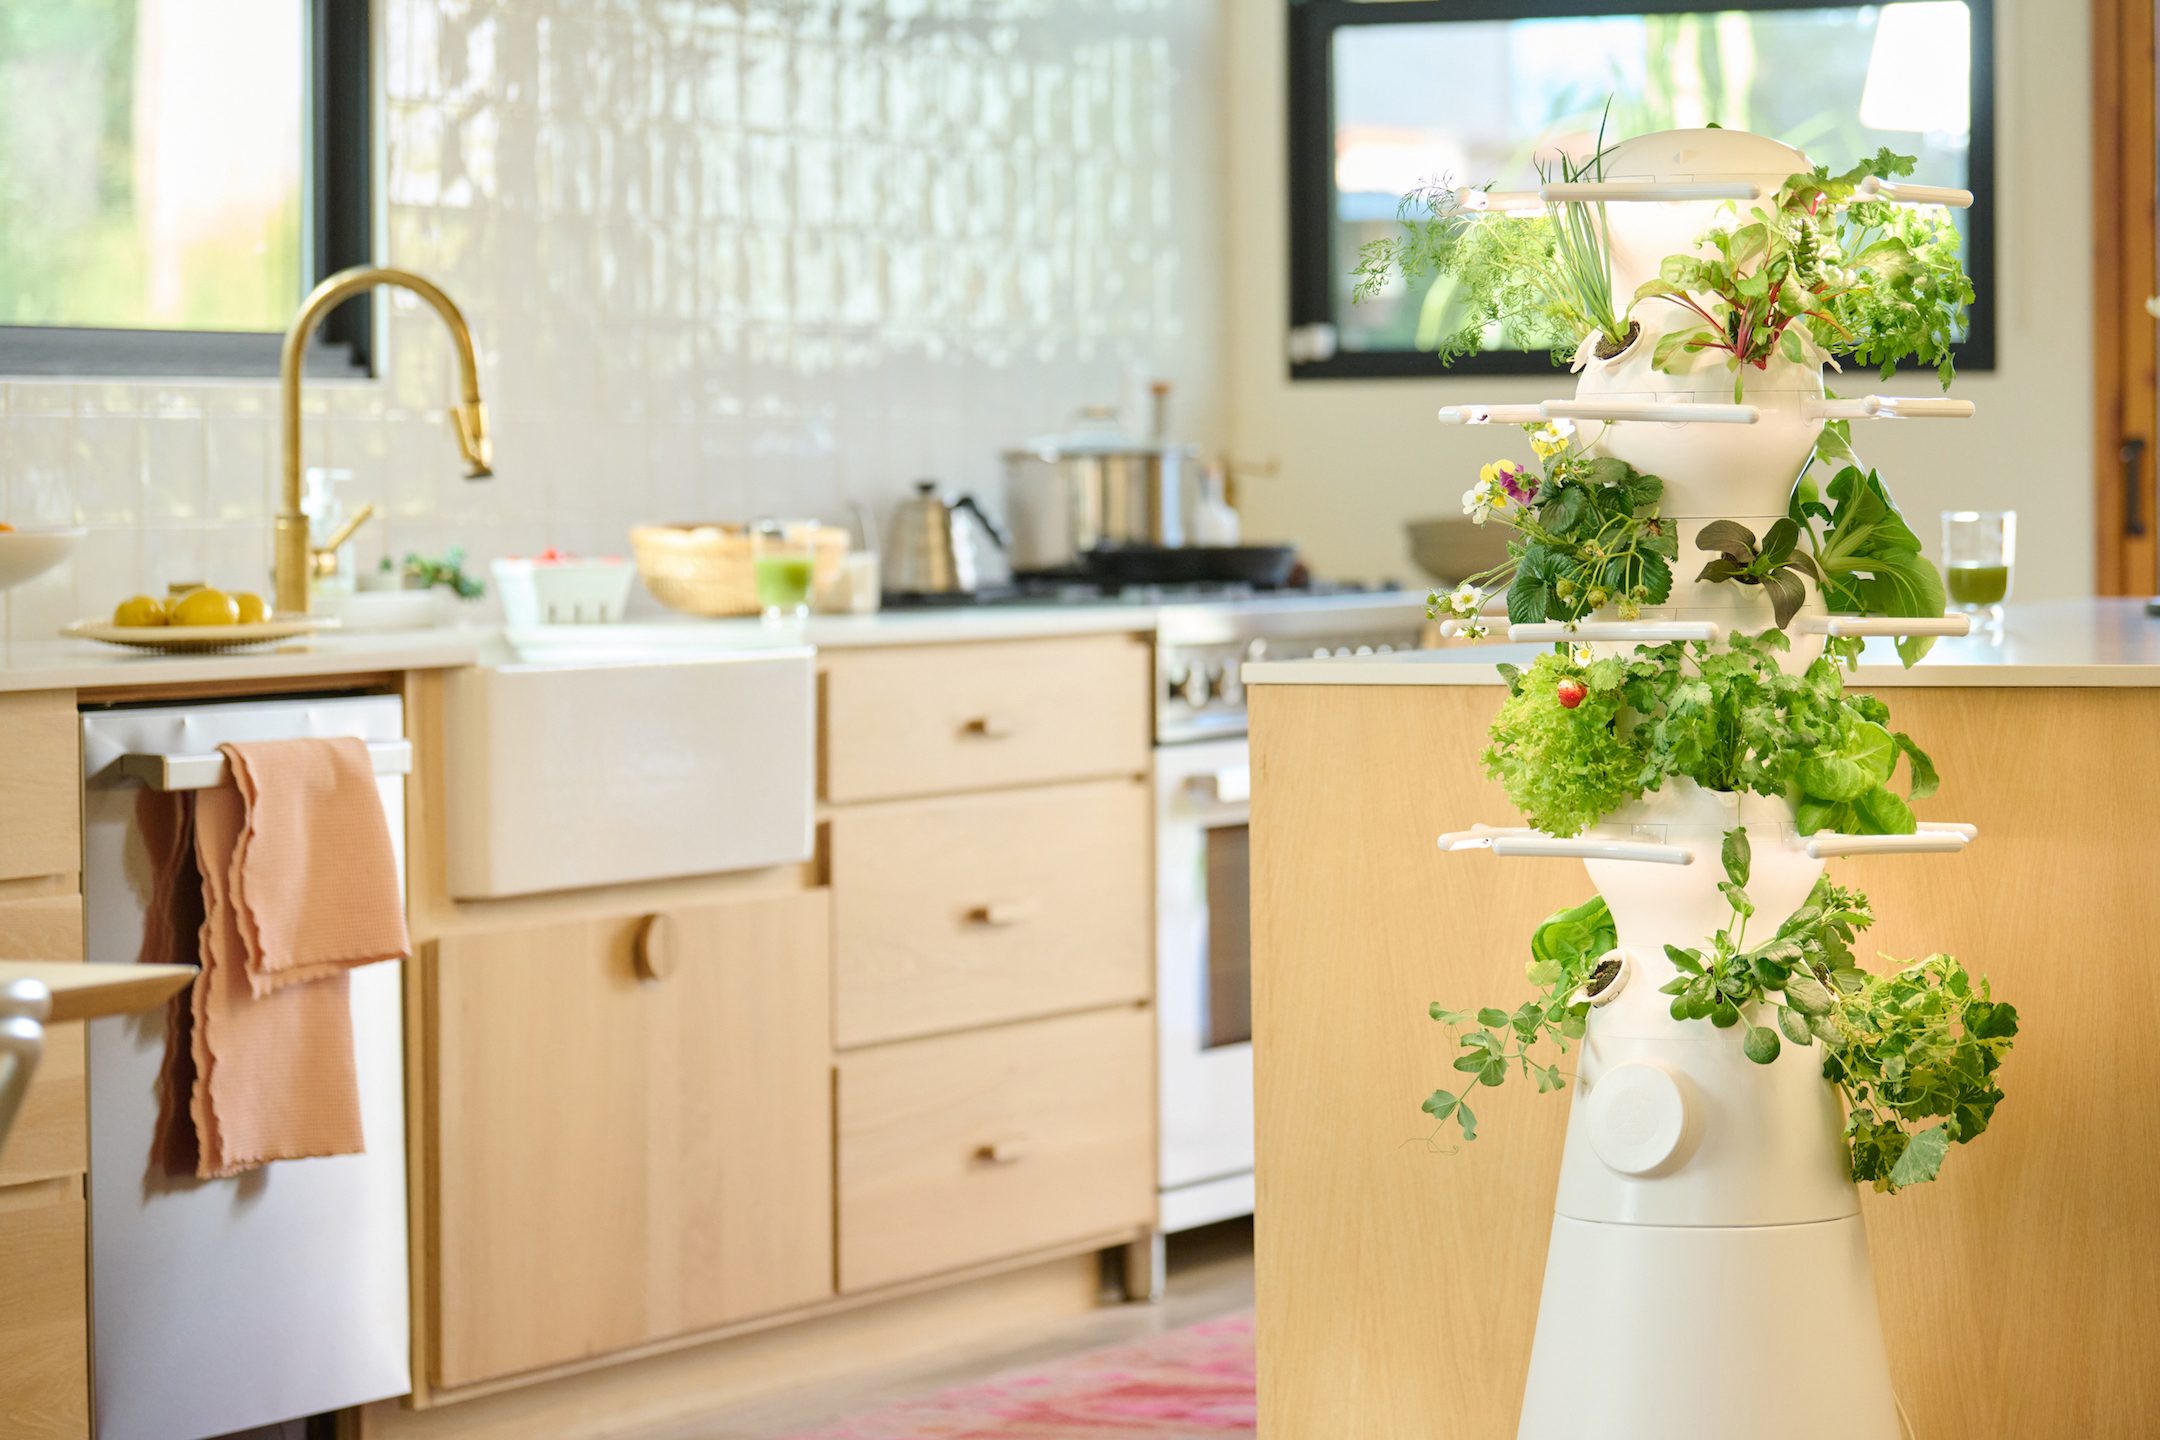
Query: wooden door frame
(2126, 341)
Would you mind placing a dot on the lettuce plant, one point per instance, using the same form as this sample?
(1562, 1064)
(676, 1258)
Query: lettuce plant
(1727, 719)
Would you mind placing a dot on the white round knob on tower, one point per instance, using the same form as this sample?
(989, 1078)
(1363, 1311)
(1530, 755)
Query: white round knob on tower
(1644, 1120)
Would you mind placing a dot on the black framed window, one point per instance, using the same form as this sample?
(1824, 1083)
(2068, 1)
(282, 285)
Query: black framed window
(1387, 94)
(172, 183)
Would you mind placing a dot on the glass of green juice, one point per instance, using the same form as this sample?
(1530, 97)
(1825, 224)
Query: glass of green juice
(1979, 548)
(783, 562)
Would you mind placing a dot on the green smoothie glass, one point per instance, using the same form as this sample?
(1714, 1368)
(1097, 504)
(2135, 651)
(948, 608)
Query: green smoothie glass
(1979, 547)
(783, 563)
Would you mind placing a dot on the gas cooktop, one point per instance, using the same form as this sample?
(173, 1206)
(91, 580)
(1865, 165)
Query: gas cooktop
(1084, 592)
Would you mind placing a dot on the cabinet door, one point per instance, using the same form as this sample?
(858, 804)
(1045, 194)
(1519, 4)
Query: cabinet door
(619, 1158)
(44, 1312)
(974, 909)
(967, 1148)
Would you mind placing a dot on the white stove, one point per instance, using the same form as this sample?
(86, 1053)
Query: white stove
(1203, 902)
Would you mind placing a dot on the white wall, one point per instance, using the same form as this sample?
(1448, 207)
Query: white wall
(721, 260)
(1358, 458)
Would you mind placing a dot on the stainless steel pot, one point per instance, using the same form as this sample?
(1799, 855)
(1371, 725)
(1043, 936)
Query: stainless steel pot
(1092, 490)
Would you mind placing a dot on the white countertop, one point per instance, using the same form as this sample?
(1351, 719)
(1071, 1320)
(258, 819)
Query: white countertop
(2073, 643)
(88, 664)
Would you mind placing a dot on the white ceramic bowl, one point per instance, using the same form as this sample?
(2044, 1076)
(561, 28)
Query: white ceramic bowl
(27, 554)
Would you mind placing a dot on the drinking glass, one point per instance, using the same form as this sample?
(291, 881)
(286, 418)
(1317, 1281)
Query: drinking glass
(783, 561)
(1979, 547)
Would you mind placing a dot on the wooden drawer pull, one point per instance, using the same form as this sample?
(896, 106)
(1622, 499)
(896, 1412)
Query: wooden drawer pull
(1009, 1151)
(988, 727)
(1002, 912)
(657, 952)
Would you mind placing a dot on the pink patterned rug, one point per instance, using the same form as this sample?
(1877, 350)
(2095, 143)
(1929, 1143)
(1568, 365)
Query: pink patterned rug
(1191, 1384)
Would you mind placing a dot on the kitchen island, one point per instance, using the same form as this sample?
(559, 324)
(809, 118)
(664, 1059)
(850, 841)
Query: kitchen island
(1399, 1269)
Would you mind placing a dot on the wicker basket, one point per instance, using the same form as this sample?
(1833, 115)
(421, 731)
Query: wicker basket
(706, 570)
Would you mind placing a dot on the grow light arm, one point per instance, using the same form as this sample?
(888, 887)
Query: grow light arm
(1655, 631)
(1843, 625)
(1927, 840)
(1877, 188)
(1888, 407)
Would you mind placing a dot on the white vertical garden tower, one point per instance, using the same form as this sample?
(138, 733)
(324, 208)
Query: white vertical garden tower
(1708, 1274)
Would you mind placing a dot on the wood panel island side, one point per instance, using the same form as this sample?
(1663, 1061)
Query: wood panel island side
(1399, 1269)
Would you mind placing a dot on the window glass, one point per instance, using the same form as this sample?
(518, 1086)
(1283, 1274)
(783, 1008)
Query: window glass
(150, 163)
(1487, 100)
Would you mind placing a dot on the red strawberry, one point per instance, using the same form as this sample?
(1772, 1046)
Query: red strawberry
(1571, 692)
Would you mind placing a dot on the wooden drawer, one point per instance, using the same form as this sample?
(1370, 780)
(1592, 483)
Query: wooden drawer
(51, 1134)
(623, 1159)
(970, 1147)
(931, 719)
(40, 788)
(975, 909)
(44, 1312)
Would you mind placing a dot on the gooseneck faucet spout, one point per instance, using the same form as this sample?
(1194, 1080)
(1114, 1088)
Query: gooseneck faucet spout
(468, 418)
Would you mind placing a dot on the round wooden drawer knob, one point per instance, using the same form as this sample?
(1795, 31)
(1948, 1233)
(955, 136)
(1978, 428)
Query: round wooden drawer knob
(659, 949)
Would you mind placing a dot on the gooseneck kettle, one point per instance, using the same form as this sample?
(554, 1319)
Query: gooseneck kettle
(938, 547)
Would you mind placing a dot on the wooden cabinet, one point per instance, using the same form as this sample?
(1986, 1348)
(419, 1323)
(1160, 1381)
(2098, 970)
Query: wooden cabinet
(44, 1318)
(40, 785)
(970, 1147)
(974, 909)
(44, 1269)
(50, 1137)
(618, 1158)
(931, 719)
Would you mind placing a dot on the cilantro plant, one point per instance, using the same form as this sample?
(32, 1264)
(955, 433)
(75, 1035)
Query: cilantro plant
(1587, 535)
(1818, 271)
(1923, 1043)
(1578, 737)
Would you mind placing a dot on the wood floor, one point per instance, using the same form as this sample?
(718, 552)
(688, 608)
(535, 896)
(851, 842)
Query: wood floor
(1211, 1274)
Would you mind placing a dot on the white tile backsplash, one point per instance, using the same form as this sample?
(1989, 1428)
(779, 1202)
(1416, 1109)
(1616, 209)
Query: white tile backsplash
(721, 258)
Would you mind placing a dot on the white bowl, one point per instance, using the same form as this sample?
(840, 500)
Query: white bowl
(27, 554)
(381, 609)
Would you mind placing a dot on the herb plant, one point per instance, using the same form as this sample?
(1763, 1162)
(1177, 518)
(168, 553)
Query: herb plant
(1776, 562)
(1543, 276)
(1818, 271)
(1563, 951)
(1588, 535)
(1727, 719)
(1867, 558)
(1920, 1044)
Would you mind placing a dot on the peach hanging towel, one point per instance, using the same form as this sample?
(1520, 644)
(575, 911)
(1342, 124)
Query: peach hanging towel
(298, 886)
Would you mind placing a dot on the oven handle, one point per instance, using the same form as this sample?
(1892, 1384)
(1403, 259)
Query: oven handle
(208, 772)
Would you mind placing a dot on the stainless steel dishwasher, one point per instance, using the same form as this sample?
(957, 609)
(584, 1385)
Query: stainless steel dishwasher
(221, 1305)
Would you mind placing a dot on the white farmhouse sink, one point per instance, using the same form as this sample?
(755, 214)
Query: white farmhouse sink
(573, 773)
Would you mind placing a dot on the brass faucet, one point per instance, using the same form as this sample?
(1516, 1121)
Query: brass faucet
(292, 560)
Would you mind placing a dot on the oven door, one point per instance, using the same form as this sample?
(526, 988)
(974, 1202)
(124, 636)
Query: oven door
(1204, 981)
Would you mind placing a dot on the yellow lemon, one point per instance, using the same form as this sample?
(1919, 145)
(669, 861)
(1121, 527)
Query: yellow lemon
(140, 610)
(205, 607)
(252, 609)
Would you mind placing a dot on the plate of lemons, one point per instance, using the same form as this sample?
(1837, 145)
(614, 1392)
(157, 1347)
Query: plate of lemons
(199, 618)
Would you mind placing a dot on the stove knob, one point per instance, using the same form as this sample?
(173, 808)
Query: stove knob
(1232, 689)
(1256, 649)
(1195, 688)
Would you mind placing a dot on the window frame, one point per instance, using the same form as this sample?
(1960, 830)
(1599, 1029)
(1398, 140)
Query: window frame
(337, 230)
(1311, 110)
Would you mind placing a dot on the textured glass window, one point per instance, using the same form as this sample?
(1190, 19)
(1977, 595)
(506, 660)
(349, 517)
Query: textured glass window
(1487, 100)
(151, 170)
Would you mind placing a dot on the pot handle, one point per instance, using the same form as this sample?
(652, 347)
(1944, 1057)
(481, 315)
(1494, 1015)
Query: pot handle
(967, 503)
